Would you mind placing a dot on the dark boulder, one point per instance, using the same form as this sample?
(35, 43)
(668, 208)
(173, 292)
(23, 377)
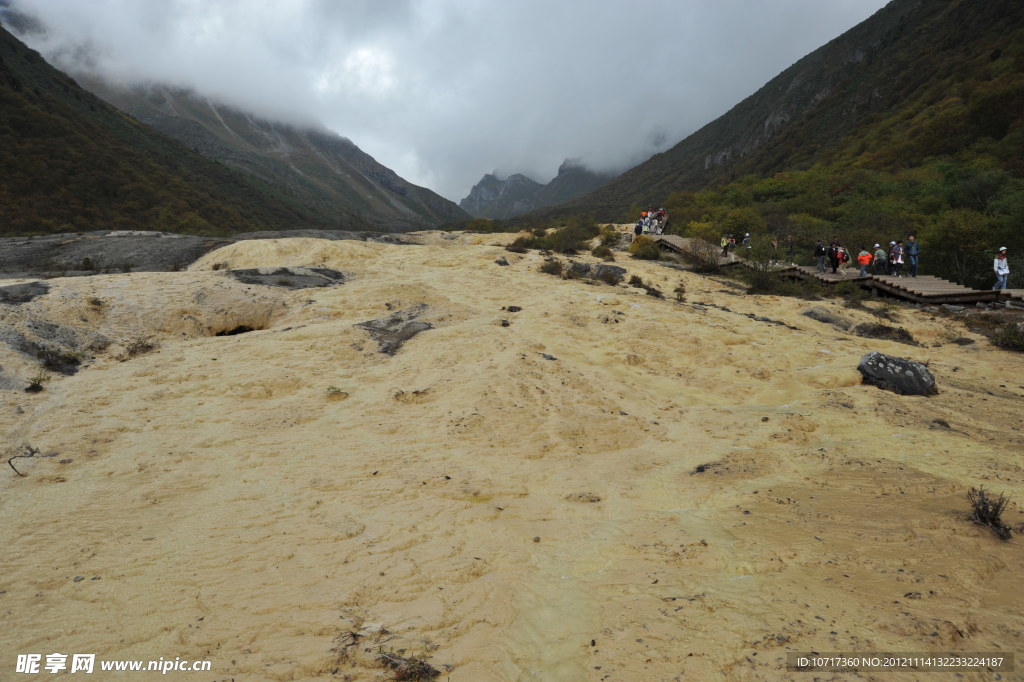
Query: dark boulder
(898, 375)
(610, 274)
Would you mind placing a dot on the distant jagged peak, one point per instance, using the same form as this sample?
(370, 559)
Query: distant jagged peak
(571, 164)
(495, 196)
(495, 177)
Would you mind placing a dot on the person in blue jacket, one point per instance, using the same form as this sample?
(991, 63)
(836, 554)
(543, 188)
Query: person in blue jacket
(913, 250)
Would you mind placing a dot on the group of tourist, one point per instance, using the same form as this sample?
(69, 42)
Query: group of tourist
(881, 261)
(652, 221)
(729, 243)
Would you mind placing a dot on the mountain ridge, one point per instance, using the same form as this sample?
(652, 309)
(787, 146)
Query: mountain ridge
(324, 170)
(517, 194)
(815, 109)
(71, 162)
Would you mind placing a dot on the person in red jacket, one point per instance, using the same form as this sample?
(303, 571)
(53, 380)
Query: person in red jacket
(864, 260)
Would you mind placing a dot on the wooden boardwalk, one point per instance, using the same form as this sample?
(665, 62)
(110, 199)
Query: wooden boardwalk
(927, 289)
(922, 289)
(681, 245)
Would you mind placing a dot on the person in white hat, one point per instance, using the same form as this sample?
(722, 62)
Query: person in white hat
(881, 261)
(1002, 268)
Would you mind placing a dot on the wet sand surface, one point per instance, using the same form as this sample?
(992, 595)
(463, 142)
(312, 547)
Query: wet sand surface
(610, 487)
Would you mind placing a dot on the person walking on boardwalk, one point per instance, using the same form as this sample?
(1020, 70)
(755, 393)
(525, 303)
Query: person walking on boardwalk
(913, 251)
(896, 258)
(833, 256)
(820, 255)
(1002, 268)
(864, 260)
(881, 262)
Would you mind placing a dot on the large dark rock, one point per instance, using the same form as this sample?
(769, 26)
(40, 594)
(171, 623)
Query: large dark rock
(610, 274)
(898, 375)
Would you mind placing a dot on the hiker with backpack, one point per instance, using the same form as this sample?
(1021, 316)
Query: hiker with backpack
(844, 260)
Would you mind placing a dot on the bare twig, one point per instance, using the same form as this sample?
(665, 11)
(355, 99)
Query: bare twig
(27, 451)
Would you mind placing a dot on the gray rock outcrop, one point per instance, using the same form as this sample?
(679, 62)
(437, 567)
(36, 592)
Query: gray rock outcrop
(898, 375)
(825, 315)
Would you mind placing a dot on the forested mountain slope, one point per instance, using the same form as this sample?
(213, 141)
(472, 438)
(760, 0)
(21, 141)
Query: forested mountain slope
(71, 162)
(320, 169)
(916, 81)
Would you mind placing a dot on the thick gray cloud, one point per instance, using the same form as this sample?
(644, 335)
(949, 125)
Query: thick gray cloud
(443, 91)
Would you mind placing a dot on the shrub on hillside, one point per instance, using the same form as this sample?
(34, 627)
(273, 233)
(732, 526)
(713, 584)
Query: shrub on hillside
(602, 252)
(523, 244)
(552, 266)
(644, 248)
(1009, 336)
(610, 236)
(851, 291)
(570, 237)
(777, 284)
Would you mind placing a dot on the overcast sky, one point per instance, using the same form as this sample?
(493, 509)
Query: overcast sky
(443, 91)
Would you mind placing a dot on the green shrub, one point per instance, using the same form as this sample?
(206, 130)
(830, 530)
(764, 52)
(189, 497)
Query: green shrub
(1009, 336)
(608, 276)
(522, 244)
(644, 248)
(851, 291)
(553, 267)
(777, 284)
(602, 252)
(570, 238)
(610, 236)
